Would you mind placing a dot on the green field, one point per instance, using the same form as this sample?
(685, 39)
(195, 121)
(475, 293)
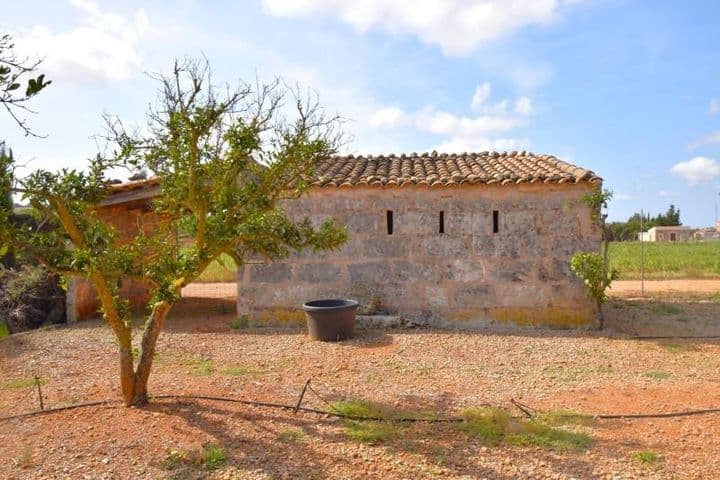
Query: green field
(223, 270)
(665, 260)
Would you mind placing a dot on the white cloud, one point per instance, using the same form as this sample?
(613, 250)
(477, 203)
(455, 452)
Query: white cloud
(484, 131)
(387, 117)
(709, 139)
(465, 144)
(697, 170)
(103, 48)
(457, 26)
(714, 106)
(523, 106)
(623, 197)
(666, 194)
(482, 93)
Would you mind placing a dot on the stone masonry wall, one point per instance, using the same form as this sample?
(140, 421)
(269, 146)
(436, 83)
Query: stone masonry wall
(467, 276)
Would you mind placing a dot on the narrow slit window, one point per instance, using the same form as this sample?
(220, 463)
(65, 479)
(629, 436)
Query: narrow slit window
(441, 228)
(389, 215)
(496, 221)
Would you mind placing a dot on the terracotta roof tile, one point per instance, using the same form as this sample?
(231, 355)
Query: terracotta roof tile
(435, 169)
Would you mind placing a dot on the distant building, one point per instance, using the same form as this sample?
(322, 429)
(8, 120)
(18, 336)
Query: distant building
(705, 234)
(667, 234)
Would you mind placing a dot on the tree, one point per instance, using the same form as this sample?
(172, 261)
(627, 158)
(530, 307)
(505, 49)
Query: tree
(18, 83)
(226, 158)
(7, 257)
(593, 267)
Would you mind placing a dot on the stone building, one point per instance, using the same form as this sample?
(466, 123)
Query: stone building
(464, 240)
(128, 208)
(667, 234)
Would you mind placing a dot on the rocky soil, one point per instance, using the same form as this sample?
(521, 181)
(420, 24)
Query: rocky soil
(444, 371)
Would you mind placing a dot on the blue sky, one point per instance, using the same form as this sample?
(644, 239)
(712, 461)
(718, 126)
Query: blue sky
(629, 89)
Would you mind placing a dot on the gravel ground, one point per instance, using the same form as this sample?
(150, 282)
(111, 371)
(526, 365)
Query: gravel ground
(445, 371)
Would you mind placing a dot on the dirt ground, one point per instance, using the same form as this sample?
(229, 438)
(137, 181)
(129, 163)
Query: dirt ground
(620, 288)
(625, 288)
(199, 353)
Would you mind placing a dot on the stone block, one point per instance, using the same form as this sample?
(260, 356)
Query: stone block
(270, 272)
(559, 222)
(436, 297)
(379, 321)
(317, 272)
(387, 246)
(464, 270)
(497, 246)
(521, 294)
(517, 222)
(363, 222)
(447, 245)
(535, 244)
(370, 272)
(468, 296)
(415, 271)
(415, 222)
(510, 271)
(556, 270)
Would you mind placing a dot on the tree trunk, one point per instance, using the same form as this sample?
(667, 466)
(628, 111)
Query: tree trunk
(147, 352)
(127, 374)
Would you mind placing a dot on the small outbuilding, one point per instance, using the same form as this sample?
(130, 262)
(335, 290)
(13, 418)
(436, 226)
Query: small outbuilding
(464, 239)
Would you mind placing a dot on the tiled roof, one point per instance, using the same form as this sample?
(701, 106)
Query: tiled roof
(449, 169)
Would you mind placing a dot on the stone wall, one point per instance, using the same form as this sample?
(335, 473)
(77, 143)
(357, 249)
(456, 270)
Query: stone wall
(128, 219)
(467, 276)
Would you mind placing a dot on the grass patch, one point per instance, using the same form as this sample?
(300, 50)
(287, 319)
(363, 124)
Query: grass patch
(212, 456)
(563, 416)
(375, 431)
(4, 330)
(495, 425)
(240, 322)
(238, 371)
(201, 367)
(657, 375)
(666, 309)
(678, 347)
(360, 408)
(20, 383)
(646, 456)
(26, 458)
(372, 432)
(665, 260)
(291, 435)
(175, 459)
(222, 270)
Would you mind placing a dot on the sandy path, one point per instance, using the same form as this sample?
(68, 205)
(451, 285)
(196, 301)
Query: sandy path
(619, 288)
(625, 287)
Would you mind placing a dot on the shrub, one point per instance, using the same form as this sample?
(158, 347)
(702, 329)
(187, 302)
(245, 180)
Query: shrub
(29, 298)
(239, 322)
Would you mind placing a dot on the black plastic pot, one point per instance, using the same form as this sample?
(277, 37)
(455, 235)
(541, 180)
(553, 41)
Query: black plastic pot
(331, 320)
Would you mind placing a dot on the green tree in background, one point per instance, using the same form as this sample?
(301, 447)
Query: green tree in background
(225, 159)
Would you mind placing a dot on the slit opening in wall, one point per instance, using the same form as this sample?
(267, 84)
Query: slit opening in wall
(441, 227)
(496, 221)
(389, 216)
